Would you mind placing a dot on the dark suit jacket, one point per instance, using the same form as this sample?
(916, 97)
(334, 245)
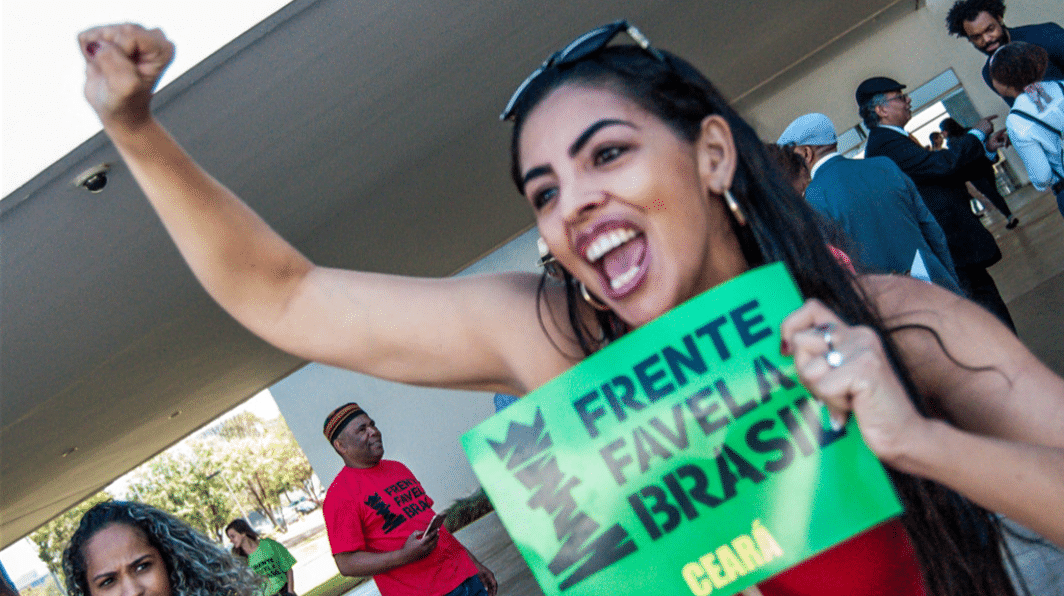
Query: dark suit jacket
(879, 208)
(940, 178)
(1048, 35)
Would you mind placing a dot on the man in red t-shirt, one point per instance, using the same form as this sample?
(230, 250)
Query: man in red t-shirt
(376, 514)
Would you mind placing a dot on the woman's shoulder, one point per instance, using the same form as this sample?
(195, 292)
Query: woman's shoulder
(1045, 106)
(893, 295)
(950, 345)
(904, 302)
(272, 544)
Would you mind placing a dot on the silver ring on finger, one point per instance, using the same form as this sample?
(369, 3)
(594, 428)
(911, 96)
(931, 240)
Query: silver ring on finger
(832, 356)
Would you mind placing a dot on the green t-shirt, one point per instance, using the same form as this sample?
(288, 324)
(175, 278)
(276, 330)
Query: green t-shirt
(272, 560)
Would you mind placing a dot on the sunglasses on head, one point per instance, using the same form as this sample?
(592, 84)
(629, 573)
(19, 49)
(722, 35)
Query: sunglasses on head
(577, 50)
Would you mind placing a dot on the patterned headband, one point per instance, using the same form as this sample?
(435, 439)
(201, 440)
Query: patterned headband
(335, 421)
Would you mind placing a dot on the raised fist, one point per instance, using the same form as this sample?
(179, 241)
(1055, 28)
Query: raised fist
(123, 64)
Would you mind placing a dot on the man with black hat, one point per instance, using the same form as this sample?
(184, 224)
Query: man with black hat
(940, 177)
(982, 22)
(377, 513)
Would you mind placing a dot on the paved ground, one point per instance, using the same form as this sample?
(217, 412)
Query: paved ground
(308, 543)
(1030, 275)
(489, 542)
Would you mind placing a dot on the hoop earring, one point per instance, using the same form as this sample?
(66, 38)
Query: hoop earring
(733, 205)
(594, 302)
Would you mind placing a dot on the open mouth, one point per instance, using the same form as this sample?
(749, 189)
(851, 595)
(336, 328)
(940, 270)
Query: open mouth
(619, 253)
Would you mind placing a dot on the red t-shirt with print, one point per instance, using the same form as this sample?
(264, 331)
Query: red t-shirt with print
(375, 510)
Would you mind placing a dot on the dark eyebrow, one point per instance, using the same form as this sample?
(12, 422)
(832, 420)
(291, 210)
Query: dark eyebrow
(136, 562)
(102, 575)
(575, 148)
(534, 173)
(582, 140)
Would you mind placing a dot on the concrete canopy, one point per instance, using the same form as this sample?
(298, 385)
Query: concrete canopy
(366, 133)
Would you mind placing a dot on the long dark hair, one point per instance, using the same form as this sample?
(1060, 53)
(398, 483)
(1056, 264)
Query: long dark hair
(958, 543)
(195, 565)
(241, 526)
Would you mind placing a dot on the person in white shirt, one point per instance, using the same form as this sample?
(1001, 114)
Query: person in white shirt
(1036, 120)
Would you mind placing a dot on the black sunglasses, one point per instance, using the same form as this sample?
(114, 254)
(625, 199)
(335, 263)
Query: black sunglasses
(577, 50)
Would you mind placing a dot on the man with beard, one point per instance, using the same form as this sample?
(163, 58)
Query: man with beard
(378, 519)
(940, 178)
(982, 23)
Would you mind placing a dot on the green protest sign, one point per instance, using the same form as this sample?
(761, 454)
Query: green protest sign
(683, 459)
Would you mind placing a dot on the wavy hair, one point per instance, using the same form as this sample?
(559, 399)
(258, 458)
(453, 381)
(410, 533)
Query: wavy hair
(957, 542)
(241, 526)
(967, 10)
(195, 565)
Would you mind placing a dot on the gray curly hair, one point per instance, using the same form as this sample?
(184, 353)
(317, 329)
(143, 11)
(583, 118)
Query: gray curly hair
(195, 565)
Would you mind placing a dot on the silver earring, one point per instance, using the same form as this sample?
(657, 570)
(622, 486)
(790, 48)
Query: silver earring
(594, 302)
(733, 205)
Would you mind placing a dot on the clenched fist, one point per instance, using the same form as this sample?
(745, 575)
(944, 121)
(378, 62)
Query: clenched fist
(123, 64)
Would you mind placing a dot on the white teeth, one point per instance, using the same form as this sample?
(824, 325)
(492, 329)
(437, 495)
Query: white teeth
(607, 242)
(624, 278)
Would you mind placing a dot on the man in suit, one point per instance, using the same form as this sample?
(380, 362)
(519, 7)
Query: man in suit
(982, 175)
(982, 23)
(940, 178)
(874, 203)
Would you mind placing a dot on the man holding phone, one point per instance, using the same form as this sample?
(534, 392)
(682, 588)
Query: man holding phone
(381, 523)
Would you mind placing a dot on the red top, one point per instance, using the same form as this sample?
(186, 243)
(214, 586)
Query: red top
(842, 258)
(879, 562)
(375, 510)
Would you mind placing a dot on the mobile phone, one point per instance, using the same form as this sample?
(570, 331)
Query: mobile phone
(435, 524)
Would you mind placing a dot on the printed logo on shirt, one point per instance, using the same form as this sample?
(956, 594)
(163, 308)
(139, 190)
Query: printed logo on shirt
(268, 567)
(409, 495)
(391, 520)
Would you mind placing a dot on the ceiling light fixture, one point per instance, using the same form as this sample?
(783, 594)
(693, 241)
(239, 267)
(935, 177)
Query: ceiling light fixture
(93, 179)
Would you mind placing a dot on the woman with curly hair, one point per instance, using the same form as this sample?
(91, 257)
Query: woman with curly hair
(123, 544)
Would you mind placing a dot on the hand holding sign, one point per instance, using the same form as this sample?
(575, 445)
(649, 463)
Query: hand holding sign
(685, 457)
(864, 382)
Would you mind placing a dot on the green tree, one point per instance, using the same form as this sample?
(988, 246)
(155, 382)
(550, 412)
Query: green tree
(181, 484)
(243, 462)
(296, 471)
(263, 459)
(52, 537)
(241, 426)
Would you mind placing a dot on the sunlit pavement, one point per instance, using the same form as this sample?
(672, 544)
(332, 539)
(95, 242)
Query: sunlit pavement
(489, 542)
(1030, 276)
(309, 544)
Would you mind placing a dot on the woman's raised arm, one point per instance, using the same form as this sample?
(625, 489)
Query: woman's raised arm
(477, 332)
